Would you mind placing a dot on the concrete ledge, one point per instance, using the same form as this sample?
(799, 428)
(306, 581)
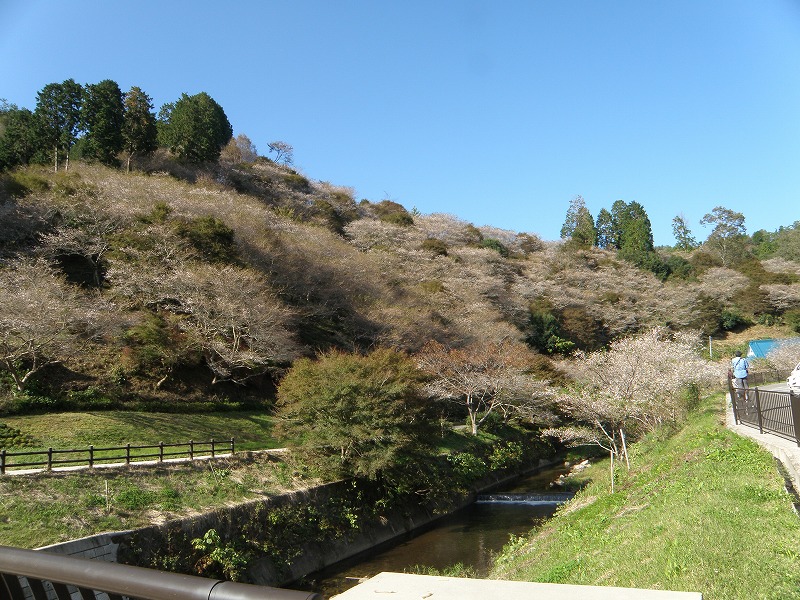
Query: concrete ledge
(401, 586)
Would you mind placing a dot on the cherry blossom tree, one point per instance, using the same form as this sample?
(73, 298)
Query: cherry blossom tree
(485, 378)
(632, 387)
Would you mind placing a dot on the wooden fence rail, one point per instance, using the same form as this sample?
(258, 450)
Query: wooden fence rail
(92, 456)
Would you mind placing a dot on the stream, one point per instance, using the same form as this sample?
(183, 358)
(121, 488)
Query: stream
(469, 537)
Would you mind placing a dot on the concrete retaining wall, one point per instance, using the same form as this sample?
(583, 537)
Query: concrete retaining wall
(166, 546)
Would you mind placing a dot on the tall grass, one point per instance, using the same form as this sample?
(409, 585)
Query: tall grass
(701, 510)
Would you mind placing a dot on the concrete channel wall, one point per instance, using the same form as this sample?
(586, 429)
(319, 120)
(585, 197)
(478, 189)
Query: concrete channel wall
(141, 546)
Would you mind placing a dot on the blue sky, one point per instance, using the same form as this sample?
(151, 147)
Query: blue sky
(499, 112)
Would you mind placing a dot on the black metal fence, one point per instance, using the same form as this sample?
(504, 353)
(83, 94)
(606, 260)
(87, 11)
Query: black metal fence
(770, 411)
(92, 456)
(30, 574)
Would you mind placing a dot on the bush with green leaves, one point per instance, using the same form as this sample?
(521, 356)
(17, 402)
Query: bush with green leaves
(211, 237)
(792, 319)
(495, 245)
(392, 212)
(354, 415)
(434, 245)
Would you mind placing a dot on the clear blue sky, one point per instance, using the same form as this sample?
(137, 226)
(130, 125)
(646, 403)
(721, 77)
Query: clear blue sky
(497, 112)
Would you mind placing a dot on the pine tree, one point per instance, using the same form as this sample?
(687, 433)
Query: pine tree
(139, 132)
(102, 116)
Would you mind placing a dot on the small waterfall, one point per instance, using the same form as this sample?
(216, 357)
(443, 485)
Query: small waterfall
(525, 498)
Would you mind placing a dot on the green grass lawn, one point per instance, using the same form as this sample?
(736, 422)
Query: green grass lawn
(46, 508)
(251, 430)
(702, 510)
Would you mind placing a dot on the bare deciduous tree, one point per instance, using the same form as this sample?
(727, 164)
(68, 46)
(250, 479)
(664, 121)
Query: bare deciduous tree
(284, 153)
(82, 234)
(231, 313)
(39, 315)
(484, 378)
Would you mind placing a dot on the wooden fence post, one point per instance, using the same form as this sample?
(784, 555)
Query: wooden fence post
(91, 456)
(49, 459)
(160, 451)
(212, 447)
(128, 453)
(3, 461)
(191, 449)
(232, 452)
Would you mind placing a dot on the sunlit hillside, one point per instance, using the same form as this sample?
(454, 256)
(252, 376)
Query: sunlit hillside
(180, 285)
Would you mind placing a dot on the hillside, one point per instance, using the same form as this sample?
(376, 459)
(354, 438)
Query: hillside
(181, 286)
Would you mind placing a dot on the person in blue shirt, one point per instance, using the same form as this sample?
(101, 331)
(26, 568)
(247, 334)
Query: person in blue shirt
(740, 367)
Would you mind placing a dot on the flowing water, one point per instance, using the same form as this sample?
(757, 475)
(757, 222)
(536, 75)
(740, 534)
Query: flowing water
(469, 537)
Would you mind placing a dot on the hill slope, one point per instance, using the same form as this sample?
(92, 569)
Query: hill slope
(203, 286)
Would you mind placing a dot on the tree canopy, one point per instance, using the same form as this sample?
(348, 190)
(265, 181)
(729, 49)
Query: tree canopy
(139, 132)
(102, 113)
(58, 117)
(354, 415)
(195, 128)
(579, 225)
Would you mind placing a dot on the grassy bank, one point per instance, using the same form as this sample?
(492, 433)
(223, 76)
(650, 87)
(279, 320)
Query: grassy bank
(54, 507)
(701, 510)
(251, 430)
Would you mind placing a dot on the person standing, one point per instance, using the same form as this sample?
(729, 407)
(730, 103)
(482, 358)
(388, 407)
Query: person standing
(740, 367)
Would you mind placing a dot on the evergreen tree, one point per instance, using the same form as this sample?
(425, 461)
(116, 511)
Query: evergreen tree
(636, 234)
(17, 136)
(195, 128)
(605, 229)
(58, 117)
(139, 132)
(103, 114)
(684, 240)
(579, 224)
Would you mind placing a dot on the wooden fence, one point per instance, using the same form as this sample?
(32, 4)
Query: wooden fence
(91, 456)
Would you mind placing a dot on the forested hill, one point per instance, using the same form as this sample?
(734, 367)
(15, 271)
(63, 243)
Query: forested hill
(179, 284)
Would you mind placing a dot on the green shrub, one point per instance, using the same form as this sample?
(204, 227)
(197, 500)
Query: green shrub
(468, 467)
(495, 245)
(11, 437)
(506, 456)
(220, 560)
(434, 245)
(394, 213)
(296, 182)
(211, 237)
(792, 319)
(21, 183)
(731, 319)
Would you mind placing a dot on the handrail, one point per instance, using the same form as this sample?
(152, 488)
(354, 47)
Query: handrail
(123, 580)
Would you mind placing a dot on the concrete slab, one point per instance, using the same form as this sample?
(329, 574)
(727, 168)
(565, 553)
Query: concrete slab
(402, 586)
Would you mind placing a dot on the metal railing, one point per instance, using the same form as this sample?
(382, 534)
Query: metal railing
(770, 411)
(26, 574)
(91, 456)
